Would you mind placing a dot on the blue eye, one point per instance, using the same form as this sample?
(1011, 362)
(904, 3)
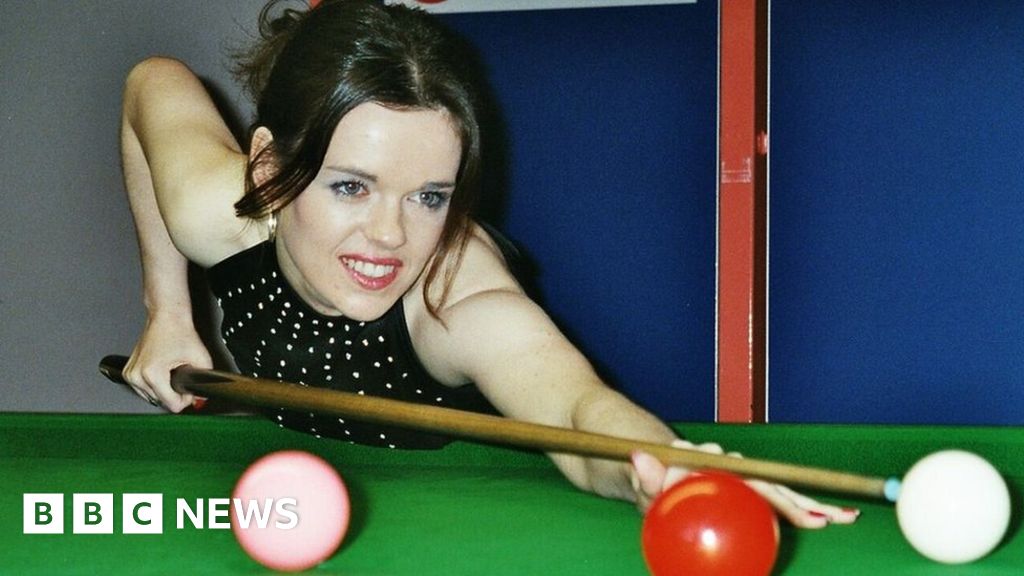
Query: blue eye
(433, 200)
(347, 188)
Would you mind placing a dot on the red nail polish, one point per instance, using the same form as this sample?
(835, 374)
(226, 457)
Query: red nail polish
(853, 511)
(198, 403)
(817, 514)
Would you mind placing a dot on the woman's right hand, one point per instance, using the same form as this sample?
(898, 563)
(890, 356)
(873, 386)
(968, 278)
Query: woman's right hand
(165, 344)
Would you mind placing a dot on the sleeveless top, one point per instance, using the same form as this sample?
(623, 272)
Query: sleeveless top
(272, 333)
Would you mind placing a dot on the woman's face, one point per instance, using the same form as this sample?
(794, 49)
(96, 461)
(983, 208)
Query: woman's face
(360, 235)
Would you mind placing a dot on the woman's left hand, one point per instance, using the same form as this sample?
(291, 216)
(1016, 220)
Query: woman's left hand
(650, 478)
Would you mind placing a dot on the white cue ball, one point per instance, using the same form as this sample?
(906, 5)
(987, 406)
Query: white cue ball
(953, 507)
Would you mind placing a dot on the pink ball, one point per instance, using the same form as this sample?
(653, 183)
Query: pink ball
(290, 510)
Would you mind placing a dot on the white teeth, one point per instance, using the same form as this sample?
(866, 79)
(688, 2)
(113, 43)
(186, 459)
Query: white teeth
(368, 269)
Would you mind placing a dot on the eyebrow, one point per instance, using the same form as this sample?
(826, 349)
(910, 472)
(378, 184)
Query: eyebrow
(363, 175)
(353, 172)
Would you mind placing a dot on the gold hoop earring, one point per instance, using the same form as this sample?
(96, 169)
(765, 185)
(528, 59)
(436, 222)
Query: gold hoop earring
(272, 227)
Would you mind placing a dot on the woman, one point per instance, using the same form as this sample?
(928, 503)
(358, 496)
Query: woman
(341, 245)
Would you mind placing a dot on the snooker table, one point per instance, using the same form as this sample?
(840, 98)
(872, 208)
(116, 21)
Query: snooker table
(465, 509)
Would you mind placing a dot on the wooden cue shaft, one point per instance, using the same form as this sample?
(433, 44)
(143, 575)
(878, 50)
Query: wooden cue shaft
(488, 428)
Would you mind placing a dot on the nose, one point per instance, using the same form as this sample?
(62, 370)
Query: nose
(384, 226)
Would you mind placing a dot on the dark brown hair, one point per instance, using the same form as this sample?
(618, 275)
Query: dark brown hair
(311, 67)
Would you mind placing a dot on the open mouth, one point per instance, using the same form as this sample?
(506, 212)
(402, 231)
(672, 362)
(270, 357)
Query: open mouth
(373, 275)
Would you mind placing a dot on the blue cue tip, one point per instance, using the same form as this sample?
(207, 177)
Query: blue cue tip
(892, 489)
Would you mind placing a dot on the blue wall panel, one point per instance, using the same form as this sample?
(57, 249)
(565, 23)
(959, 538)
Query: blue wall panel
(605, 174)
(897, 212)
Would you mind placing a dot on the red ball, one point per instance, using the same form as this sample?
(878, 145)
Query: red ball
(709, 524)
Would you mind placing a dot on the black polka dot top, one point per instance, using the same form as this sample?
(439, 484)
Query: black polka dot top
(272, 333)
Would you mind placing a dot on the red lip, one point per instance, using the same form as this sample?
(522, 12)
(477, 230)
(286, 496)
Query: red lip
(371, 282)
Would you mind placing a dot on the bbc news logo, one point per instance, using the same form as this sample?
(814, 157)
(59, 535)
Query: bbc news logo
(144, 513)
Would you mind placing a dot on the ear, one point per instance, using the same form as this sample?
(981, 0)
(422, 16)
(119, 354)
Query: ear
(265, 165)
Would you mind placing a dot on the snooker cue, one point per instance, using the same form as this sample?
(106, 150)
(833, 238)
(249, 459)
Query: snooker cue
(495, 429)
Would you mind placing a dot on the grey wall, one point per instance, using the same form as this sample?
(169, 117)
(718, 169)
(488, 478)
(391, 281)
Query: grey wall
(69, 275)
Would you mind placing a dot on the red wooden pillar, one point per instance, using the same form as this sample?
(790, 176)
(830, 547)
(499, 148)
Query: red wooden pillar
(741, 346)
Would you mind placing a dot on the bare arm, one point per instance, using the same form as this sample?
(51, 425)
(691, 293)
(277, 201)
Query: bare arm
(183, 168)
(528, 369)
(164, 269)
(174, 147)
(499, 339)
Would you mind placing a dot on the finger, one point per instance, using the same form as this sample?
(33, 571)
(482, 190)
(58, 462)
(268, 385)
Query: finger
(787, 508)
(648, 476)
(673, 476)
(132, 374)
(173, 401)
(159, 383)
(676, 474)
(680, 443)
(650, 473)
(710, 448)
(835, 514)
(145, 395)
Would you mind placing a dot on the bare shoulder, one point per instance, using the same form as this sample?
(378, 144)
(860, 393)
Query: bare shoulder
(482, 268)
(196, 165)
(484, 296)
